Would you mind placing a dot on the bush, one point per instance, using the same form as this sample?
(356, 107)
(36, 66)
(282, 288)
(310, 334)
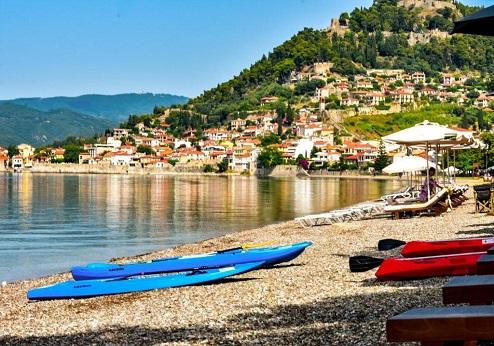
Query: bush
(222, 167)
(208, 169)
(270, 158)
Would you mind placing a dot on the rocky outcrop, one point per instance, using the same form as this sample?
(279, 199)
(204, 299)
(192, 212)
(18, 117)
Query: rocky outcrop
(427, 4)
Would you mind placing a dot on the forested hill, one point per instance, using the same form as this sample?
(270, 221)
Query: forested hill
(375, 37)
(20, 124)
(112, 107)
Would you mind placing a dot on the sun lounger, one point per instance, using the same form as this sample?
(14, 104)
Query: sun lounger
(458, 195)
(354, 213)
(406, 193)
(438, 203)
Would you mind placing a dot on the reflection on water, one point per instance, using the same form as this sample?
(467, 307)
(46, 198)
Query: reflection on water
(50, 222)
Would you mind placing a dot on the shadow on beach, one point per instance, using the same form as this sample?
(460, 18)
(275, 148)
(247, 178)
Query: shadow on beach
(349, 319)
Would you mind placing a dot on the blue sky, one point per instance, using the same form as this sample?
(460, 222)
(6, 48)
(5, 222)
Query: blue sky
(73, 47)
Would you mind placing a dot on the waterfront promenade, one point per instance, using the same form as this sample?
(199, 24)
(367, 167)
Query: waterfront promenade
(314, 299)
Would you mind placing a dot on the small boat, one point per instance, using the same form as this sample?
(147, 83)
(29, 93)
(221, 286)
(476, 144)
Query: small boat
(437, 248)
(269, 255)
(93, 288)
(397, 268)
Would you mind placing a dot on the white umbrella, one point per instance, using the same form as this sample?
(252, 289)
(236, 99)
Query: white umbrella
(475, 144)
(452, 170)
(427, 133)
(407, 164)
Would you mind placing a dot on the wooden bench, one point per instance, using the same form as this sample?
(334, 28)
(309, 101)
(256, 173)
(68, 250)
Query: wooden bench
(476, 289)
(463, 325)
(473, 290)
(485, 264)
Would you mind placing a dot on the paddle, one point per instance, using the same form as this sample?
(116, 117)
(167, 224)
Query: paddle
(389, 244)
(233, 249)
(246, 247)
(364, 263)
(256, 245)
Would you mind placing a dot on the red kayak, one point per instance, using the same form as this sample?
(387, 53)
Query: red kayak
(446, 247)
(426, 267)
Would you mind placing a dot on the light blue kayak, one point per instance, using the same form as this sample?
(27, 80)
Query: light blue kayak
(93, 288)
(269, 255)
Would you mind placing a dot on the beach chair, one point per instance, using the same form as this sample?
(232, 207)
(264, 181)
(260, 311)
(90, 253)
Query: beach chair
(483, 198)
(438, 203)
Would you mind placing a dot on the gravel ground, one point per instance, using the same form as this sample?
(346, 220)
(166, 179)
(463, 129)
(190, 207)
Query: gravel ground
(312, 300)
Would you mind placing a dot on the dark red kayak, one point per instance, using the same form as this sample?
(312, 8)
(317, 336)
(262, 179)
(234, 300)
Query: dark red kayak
(397, 268)
(437, 248)
(427, 267)
(446, 247)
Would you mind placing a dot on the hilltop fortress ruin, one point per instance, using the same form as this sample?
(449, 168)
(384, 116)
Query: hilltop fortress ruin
(340, 27)
(428, 4)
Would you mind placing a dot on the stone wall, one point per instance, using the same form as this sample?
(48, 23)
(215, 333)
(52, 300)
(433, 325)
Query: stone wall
(333, 116)
(416, 37)
(73, 168)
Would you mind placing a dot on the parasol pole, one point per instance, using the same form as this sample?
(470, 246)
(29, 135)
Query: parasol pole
(427, 172)
(438, 150)
(454, 158)
(452, 181)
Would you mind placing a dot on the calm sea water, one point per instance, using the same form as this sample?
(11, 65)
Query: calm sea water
(50, 222)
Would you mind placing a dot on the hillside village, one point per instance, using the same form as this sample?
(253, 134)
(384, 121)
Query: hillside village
(239, 143)
(311, 128)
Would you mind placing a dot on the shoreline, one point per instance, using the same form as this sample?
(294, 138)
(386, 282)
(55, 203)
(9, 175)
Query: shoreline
(313, 299)
(120, 170)
(203, 174)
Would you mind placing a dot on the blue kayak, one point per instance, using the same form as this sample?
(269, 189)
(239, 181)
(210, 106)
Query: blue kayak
(269, 255)
(93, 288)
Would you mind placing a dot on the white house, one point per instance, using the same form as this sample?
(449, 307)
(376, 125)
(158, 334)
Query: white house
(121, 159)
(181, 143)
(304, 148)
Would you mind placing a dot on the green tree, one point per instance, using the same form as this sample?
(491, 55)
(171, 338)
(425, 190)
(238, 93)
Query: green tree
(473, 94)
(314, 151)
(12, 150)
(269, 139)
(145, 150)
(208, 168)
(382, 159)
(490, 84)
(270, 158)
(72, 153)
(283, 69)
(222, 166)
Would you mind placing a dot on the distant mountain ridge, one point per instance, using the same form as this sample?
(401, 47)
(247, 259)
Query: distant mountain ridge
(21, 124)
(113, 107)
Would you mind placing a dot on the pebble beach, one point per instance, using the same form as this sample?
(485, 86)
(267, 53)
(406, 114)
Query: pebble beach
(311, 300)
